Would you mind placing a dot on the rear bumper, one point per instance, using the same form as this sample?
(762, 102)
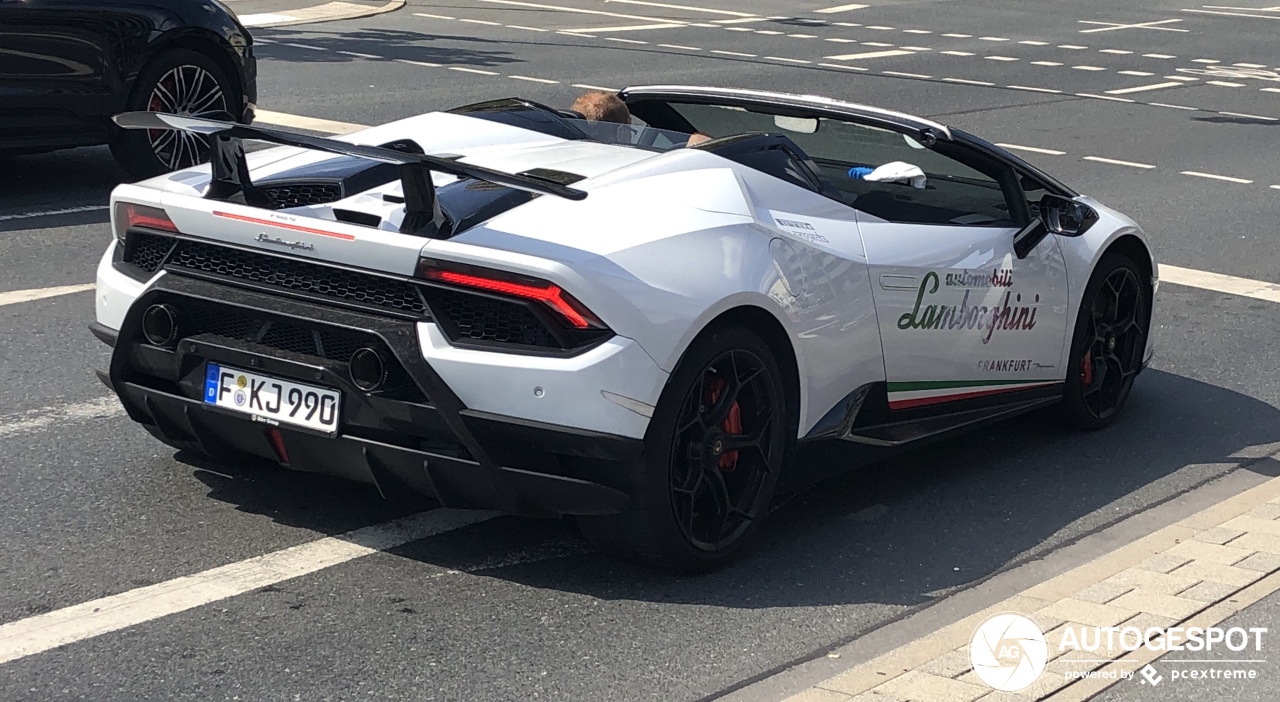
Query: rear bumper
(420, 438)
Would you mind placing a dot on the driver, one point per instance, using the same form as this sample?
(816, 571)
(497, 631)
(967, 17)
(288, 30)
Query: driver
(599, 106)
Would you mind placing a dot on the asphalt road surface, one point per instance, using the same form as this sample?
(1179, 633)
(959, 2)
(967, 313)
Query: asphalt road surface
(1169, 112)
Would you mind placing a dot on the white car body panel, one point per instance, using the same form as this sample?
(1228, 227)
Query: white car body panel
(663, 244)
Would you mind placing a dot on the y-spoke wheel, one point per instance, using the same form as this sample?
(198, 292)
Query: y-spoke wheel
(1110, 339)
(179, 82)
(716, 445)
(723, 452)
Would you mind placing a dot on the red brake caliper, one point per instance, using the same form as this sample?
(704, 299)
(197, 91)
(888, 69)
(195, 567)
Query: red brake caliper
(731, 425)
(1086, 369)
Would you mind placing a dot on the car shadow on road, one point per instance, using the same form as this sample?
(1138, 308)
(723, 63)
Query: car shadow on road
(905, 531)
(69, 181)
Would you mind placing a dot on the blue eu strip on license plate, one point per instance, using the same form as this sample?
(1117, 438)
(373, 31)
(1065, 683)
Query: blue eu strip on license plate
(271, 400)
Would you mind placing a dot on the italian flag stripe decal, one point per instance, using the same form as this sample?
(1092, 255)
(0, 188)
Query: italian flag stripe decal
(917, 394)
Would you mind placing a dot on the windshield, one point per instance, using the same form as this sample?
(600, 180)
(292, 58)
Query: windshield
(635, 134)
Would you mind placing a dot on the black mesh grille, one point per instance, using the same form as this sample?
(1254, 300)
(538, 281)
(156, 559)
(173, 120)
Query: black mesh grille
(333, 344)
(146, 251)
(294, 274)
(487, 319)
(302, 194)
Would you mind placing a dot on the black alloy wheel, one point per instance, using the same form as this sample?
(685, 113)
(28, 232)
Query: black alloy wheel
(180, 82)
(716, 445)
(725, 449)
(1109, 343)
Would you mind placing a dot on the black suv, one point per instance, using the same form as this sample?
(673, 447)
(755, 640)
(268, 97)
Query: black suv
(68, 66)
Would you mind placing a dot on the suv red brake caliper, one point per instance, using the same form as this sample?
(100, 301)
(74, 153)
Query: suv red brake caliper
(1086, 369)
(732, 424)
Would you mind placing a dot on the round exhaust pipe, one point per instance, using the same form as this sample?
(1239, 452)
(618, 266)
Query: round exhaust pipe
(160, 325)
(367, 369)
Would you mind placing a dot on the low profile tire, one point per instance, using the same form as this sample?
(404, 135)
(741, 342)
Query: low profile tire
(1108, 344)
(179, 81)
(718, 440)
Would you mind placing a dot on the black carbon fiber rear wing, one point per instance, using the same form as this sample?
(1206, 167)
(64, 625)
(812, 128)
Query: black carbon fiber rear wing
(231, 182)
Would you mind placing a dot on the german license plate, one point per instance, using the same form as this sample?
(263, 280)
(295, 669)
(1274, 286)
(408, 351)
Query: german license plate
(272, 400)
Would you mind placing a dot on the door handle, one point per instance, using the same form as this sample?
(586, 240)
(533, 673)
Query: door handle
(889, 281)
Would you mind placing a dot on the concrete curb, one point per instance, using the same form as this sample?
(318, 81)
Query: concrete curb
(1195, 572)
(328, 12)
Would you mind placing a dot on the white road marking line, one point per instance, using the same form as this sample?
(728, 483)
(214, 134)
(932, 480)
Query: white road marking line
(1073, 47)
(1187, 79)
(900, 74)
(1271, 90)
(574, 10)
(802, 36)
(477, 71)
(1103, 97)
(917, 31)
(624, 28)
(535, 80)
(258, 19)
(1174, 107)
(1035, 90)
(1000, 58)
(357, 54)
(1032, 149)
(875, 43)
(35, 420)
(50, 213)
(1141, 25)
(1033, 42)
(1234, 14)
(1249, 65)
(1114, 162)
(847, 68)
(527, 29)
(847, 24)
(968, 82)
(580, 34)
(476, 21)
(958, 53)
(993, 38)
(787, 60)
(309, 123)
(1217, 282)
(1225, 84)
(959, 36)
(733, 53)
(690, 8)
(1248, 116)
(1159, 56)
(1142, 74)
(1114, 51)
(740, 20)
(869, 55)
(1089, 68)
(840, 8)
(303, 46)
(625, 41)
(1275, 187)
(424, 64)
(840, 40)
(1203, 60)
(1211, 176)
(917, 48)
(740, 29)
(13, 297)
(594, 87)
(44, 632)
(879, 27)
(677, 46)
(1045, 63)
(1142, 88)
(423, 14)
(769, 32)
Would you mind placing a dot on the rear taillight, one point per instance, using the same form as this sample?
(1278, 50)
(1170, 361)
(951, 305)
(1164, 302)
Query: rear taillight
(572, 313)
(130, 215)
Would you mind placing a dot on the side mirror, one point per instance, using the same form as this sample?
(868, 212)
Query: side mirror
(1066, 217)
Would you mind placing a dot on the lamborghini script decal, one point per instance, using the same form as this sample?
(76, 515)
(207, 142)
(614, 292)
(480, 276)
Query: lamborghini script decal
(1005, 316)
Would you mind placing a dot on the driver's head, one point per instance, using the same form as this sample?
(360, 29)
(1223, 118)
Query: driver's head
(599, 106)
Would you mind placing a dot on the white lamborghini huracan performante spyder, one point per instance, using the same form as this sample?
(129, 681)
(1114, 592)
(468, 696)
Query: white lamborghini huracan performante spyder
(507, 306)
